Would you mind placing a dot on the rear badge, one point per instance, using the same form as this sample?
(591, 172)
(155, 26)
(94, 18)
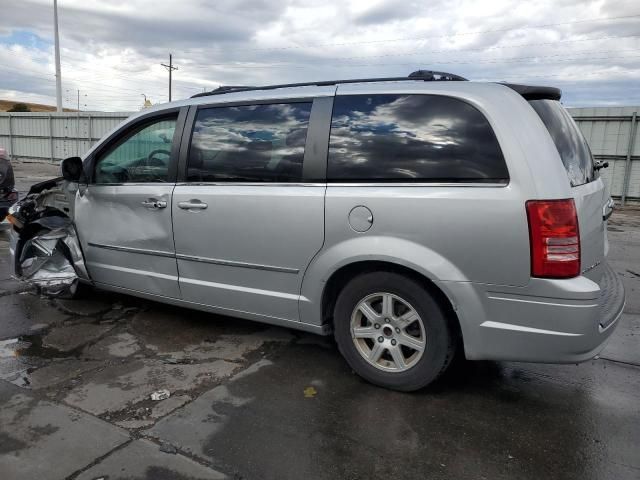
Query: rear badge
(591, 267)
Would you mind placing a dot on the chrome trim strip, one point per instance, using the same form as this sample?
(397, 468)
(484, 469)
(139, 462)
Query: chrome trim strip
(571, 305)
(519, 328)
(193, 258)
(249, 184)
(230, 263)
(135, 271)
(416, 184)
(342, 184)
(141, 251)
(131, 184)
(236, 288)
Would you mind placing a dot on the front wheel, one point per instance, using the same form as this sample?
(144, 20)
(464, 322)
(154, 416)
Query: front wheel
(392, 332)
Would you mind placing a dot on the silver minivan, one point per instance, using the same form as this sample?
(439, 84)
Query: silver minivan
(409, 217)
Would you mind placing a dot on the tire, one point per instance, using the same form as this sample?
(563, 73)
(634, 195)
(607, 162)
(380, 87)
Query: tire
(415, 313)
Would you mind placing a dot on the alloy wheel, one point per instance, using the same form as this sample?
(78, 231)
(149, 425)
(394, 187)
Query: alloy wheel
(388, 332)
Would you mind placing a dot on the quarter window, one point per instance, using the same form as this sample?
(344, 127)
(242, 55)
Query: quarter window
(142, 156)
(251, 143)
(412, 138)
(570, 143)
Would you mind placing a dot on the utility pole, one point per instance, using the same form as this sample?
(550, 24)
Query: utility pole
(171, 68)
(57, 49)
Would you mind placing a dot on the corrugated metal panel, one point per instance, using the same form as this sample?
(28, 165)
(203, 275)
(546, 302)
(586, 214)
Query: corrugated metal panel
(4, 125)
(31, 147)
(70, 127)
(101, 126)
(36, 134)
(30, 126)
(633, 190)
(614, 176)
(605, 128)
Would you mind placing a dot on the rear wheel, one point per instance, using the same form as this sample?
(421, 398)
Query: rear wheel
(392, 332)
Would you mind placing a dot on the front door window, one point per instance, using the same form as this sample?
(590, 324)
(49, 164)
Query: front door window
(142, 156)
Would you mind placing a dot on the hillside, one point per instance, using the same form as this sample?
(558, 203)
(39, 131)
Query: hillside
(34, 107)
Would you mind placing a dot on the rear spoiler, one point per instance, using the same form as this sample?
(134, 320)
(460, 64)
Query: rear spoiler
(532, 92)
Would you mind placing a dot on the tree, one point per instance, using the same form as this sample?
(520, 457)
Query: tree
(19, 107)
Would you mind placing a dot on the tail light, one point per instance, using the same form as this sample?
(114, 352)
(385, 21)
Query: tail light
(13, 196)
(554, 238)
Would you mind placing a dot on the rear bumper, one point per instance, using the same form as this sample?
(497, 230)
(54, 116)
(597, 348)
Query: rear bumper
(550, 321)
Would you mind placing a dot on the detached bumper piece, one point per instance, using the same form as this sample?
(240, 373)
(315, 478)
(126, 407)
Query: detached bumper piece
(52, 261)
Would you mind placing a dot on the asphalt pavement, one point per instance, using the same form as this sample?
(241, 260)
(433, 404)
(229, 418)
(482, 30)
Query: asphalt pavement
(250, 401)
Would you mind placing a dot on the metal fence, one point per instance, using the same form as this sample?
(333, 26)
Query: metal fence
(614, 137)
(51, 137)
(612, 133)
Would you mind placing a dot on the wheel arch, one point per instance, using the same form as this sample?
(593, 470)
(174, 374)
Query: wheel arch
(346, 273)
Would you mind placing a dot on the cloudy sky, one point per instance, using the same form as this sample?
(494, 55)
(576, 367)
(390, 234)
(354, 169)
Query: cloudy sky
(112, 49)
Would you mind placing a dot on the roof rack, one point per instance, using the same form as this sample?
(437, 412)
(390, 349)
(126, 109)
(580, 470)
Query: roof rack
(424, 75)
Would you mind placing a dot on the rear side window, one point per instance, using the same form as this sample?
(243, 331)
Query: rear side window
(412, 138)
(251, 143)
(572, 147)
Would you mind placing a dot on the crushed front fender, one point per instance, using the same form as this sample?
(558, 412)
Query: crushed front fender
(44, 241)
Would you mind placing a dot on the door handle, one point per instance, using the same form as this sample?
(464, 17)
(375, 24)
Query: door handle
(154, 204)
(193, 204)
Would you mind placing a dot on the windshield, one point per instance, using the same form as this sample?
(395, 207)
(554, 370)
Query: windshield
(572, 147)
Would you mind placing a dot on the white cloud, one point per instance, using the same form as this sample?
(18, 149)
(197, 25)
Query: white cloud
(111, 51)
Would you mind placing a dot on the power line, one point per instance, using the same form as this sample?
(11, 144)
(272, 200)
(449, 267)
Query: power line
(559, 58)
(422, 52)
(497, 47)
(101, 85)
(524, 76)
(129, 76)
(403, 39)
(433, 61)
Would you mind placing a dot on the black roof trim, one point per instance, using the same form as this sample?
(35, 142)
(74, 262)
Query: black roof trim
(424, 75)
(532, 92)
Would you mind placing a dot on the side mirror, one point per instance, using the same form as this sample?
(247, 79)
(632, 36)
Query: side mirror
(72, 169)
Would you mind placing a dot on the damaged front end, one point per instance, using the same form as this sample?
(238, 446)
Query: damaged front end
(44, 241)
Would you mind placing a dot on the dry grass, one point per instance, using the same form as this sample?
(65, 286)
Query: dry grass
(34, 107)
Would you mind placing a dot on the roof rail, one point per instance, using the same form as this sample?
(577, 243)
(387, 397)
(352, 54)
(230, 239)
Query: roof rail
(424, 75)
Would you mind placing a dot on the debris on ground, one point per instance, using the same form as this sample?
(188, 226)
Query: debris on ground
(310, 392)
(166, 448)
(160, 395)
